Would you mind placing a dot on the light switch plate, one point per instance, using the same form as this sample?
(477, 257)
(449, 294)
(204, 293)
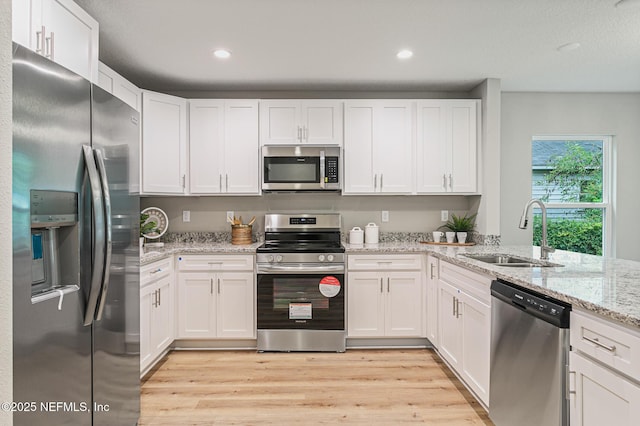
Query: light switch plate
(385, 216)
(444, 215)
(186, 215)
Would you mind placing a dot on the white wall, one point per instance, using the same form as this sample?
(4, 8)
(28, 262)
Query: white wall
(6, 249)
(527, 114)
(406, 213)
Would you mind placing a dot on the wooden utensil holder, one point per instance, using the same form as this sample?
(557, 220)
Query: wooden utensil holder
(241, 234)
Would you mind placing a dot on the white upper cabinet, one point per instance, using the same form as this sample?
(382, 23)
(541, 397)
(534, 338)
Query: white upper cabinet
(378, 147)
(447, 139)
(60, 30)
(223, 147)
(164, 144)
(310, 121)
(119, 87)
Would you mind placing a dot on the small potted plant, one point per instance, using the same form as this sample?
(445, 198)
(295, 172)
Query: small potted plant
(146, 227)
(459, 226)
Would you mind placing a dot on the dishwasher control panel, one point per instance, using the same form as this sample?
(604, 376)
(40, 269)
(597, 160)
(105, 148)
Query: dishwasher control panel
(544, 307)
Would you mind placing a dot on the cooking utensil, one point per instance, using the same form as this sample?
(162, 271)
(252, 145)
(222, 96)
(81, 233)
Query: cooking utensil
(253, 219)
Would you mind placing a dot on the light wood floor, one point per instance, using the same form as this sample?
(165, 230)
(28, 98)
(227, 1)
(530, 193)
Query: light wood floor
(372, 387)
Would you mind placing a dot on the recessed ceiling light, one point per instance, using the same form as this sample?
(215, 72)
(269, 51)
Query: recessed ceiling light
(567, 47)
(222, 53)
(404, 54)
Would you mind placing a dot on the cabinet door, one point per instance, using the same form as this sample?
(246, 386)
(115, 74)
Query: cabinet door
(147, 304)
(358, 148)
(404, 307)
(601, 397)
(73, 37)
(162, 317)
(462, 137)
(432, 300)
(241, 147)
(365, 309)
(322, 122)
(449, 326)
(280, 122)
(206, 146)
(196, 305)
(431, 148)
(393, 147)
(164, 143)
(235, 305)
(21, 23)
(475, 322)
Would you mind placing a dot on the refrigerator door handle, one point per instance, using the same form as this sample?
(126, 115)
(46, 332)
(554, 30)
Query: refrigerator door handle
(108, 242)
(98, 235)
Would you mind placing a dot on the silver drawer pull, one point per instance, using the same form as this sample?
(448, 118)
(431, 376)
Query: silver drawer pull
(596, 342)
(156, 271)
(214, 263)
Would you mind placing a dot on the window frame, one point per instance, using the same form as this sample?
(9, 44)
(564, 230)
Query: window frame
(608, 187)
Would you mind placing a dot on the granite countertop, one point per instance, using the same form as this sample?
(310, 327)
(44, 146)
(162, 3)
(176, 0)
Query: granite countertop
(610, 287)
(151, 254)
(607, 286)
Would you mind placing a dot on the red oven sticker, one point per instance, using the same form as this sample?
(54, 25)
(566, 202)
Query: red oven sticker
(329, 286)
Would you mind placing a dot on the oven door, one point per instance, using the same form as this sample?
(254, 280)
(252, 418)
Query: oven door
(298, 300)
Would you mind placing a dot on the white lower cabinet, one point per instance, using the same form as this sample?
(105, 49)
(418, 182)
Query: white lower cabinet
(604, 366)
(219, 303)
(383, 302)
(156, 311)
(600, 396)
(464, 325)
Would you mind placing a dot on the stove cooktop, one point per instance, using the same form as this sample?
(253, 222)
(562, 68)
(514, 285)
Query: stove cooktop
(271, 247)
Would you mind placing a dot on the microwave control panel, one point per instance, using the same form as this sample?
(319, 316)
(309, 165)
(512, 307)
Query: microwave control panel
(331, 172)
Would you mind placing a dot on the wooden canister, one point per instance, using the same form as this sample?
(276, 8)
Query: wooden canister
(241, 234)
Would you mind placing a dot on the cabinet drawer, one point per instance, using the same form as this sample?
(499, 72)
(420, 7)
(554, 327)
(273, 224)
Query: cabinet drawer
(218, 262)
(477, 285)
(389, 262)
(156, 270)
(610, 343)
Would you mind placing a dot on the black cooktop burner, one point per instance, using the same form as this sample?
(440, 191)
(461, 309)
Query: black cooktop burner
(301, 242)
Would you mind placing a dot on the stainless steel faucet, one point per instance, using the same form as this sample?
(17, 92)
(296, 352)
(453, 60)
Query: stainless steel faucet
(544, 248)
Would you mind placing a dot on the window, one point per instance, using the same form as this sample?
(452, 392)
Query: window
(572, 176)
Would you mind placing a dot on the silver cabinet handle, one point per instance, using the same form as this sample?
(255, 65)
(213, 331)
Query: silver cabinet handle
(51, 45)
(450, 182)
(218, 285)
(156, 271)
(211, 285)
(381, 288)
(444, 181)
(432, 269)
(458, 314)
(159, 297)
(220, 182)
(388, 290)
(99, 238)
(40, 41)
(381, 177)
(155, 299)
(299, 134)
(453, 306)
(305, 133)
(596, 342)
(184, 181)
(375, 182)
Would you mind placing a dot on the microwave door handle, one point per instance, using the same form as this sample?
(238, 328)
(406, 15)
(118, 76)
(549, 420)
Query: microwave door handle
(98, 235)
(322, 169)
(108, 243)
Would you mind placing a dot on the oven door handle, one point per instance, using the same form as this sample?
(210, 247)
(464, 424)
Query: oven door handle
(299, 269)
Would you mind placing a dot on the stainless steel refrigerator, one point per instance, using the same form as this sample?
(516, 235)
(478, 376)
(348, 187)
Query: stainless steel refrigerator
(75, 249)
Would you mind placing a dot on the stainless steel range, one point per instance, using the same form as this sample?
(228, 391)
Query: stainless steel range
(301, 284)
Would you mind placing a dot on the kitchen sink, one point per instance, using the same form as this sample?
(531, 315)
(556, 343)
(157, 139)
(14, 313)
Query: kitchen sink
(511, 261)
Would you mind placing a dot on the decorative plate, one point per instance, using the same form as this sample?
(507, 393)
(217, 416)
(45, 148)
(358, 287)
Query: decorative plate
(160, 218)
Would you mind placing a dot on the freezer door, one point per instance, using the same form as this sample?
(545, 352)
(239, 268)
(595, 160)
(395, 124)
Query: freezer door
(51, 347)
(116, 328)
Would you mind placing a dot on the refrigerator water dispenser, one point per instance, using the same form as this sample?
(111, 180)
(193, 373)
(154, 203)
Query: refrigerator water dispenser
(55, 247)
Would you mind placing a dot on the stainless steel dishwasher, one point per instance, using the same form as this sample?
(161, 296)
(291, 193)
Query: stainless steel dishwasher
(529, 357)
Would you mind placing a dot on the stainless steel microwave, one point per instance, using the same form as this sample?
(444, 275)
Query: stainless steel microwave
(301, 168)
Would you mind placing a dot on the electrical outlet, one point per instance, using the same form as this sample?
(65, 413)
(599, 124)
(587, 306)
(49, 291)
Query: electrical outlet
(186, 215)
(230, 215)
(385, 215)
(444, 215)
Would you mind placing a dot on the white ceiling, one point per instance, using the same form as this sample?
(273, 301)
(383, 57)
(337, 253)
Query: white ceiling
(351, 44)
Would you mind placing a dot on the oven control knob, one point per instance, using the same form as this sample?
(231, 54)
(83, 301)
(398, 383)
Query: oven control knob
(278, 258)
(270, 258)
(330, 258)
(321, 258)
